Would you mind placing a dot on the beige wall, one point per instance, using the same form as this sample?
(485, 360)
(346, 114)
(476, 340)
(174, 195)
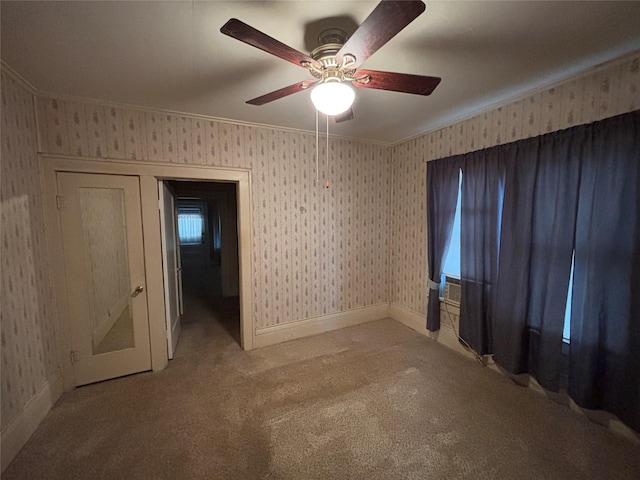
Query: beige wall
(28, 343)
(608, 91)
(229, 245)
(316, 251)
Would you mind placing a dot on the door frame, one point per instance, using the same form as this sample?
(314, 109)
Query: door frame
(149, 174)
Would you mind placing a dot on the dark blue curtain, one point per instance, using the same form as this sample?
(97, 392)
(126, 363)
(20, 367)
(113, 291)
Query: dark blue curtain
(536, 249)
(604, 359)
(442, 193)
(508, 324)
(482, 186)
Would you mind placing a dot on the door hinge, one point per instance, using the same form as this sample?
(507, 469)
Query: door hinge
(61, 202)
(73, 354)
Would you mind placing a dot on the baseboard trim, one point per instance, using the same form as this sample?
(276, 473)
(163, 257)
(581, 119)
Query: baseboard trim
(417, 321)
(15, 436)
(313, 326)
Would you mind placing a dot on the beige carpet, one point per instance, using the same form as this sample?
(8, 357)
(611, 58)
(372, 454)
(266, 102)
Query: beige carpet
(375, 401)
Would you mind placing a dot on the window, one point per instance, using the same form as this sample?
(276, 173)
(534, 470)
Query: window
(451, 265)
(566, 332)
(191, 225)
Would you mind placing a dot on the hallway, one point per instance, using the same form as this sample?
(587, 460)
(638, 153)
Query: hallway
(206, 312)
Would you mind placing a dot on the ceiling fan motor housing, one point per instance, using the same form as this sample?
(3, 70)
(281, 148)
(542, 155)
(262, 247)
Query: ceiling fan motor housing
(331, 41)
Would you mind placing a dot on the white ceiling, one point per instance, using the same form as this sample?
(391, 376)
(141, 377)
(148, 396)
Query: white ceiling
(172, 56)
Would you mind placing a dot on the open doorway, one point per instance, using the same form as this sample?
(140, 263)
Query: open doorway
(207, 240)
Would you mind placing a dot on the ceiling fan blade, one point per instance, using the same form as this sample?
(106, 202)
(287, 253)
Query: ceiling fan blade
(397, 82)
(251, 36)
(343, 117)
(384, 23)
(283, 92)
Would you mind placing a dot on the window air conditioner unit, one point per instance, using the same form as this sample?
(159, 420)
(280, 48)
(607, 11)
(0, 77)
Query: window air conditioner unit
(451, 290)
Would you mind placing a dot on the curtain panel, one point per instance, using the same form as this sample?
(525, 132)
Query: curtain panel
(604, 359)
(528, 208)
(536, 248)
(482, 187)
(442, 192)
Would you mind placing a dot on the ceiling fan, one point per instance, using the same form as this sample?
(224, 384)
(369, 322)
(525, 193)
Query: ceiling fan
(335, 63)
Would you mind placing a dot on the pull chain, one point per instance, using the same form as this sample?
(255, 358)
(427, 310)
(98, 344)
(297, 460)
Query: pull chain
(327, 157)
(317, 149)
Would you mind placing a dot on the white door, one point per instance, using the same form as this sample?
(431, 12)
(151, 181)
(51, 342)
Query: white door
(102, 240)
(171, 266)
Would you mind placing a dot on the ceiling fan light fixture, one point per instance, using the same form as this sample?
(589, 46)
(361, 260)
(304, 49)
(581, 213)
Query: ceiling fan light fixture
(332, 98)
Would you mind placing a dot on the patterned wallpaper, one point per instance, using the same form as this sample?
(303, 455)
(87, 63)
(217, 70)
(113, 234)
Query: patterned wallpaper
(608, 91)
(27, 340)
(316, 251)
(107, 264)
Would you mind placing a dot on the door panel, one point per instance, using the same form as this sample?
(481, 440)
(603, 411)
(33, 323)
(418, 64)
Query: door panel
(102, 240)
(171, 266)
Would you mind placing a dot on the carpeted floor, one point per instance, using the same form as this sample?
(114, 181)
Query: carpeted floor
(375, 401)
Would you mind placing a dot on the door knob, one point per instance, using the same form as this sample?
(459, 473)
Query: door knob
(138, 290)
